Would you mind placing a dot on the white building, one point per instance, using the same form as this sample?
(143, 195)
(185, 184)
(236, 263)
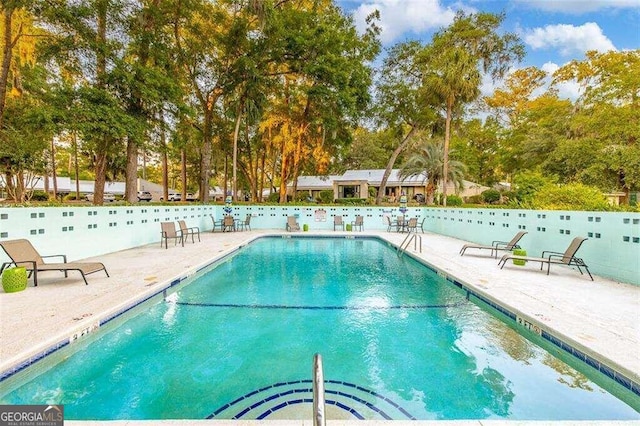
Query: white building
(66, 185)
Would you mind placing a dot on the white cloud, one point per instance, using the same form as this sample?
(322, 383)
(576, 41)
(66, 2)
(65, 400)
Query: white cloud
(569, 39)
(488, 86)
(578, 7)
(398, 17)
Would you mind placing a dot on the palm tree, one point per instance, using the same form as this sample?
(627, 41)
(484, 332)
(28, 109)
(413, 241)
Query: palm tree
(455, 77)
(428, 162)
(454, 60)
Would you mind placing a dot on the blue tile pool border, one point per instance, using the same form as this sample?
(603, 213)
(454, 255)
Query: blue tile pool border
(546, 334)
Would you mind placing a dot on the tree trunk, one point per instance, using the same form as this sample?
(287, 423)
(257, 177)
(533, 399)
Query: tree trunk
(283, 179)
(20, 192)
(205, 167)
(183, 173)
(144, 165)
(6, 58)
(430, 190)
(262, 175)
(274, 163)
(164, 160)
(165, 176)
(11, 190)
(101, 69)
(53, 169)
(297, 159)
(131, 172)
(246, 171)
(445, 159)
(137, 108)
(207, 148)
(101, 173)
(284, 152)
(255, 178)
(101, 39)
(234, 183)
(225, 187)
(76, 166)
(284, 169)
(391, 162)
(250, 169)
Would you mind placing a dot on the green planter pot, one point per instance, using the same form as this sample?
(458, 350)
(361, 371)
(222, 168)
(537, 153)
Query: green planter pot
(349, 227)
(14, 279)
(519, 252)
(305, 227)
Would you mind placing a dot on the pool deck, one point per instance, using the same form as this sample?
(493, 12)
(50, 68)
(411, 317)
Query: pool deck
(601, 317)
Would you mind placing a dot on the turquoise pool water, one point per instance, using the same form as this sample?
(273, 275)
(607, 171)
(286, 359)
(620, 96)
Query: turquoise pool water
(397, 341)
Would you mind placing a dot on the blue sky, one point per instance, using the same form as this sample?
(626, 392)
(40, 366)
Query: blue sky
(554, 31)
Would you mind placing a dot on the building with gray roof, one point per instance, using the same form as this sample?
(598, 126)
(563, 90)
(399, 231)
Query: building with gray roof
(358, 183)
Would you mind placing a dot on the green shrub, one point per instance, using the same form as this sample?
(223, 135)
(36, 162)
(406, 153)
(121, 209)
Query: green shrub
(301, 196)
(373, 193)
(491, 196)
(528, 183)
(575, 196)
(326, 196)
(508, 196)
(39, 196)
(475, 199)
(454, 201)
(354, 201)
(72, 197)
(273, 198)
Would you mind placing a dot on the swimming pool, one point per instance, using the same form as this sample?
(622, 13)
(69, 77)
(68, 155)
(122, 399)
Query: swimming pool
(397, 341)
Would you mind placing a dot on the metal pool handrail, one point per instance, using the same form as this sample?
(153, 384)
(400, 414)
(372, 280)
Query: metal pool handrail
(318, 392)
(411, 236)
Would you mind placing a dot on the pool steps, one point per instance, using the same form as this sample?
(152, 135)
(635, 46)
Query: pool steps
(353, 401)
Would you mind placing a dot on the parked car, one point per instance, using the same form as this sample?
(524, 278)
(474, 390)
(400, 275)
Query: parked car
(172, 197)
(107, 198)
(178, 197)
(144, 196)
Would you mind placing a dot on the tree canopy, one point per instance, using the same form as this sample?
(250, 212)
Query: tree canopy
(249, 95)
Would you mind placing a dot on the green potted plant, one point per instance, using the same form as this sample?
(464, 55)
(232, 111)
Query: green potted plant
(519, 252)
(14, 279)
(305, 227)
